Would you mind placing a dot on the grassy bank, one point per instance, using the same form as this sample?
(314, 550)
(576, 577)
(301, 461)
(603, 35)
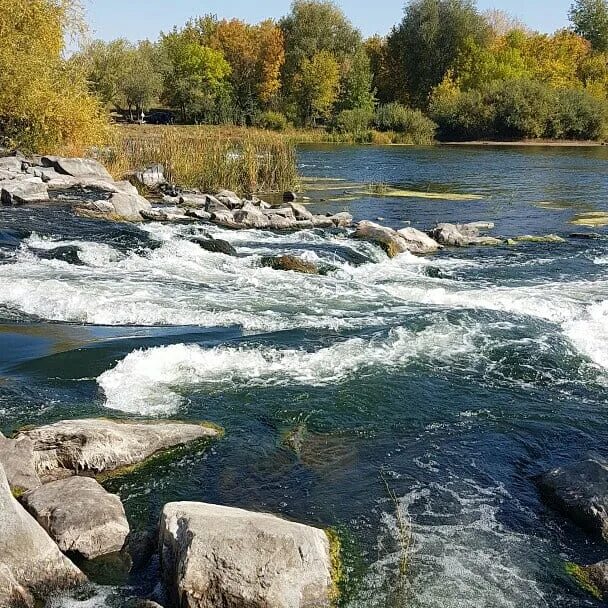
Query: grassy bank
(209, 158)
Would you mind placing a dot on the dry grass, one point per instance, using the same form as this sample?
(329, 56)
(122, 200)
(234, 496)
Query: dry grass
(208, 158)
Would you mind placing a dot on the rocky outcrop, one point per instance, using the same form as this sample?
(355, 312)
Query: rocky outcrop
(394, 242)
(80, 516)
(11, 164)
(77, 167)
(23, 191)
(462, 235)
(121, 206)
(74, 446)
(17, 458)
(342, 220)
(300, 212)
(229, 199)
(218, 556)
(251, 217)
(215, 245)
(290, 262)
(580, 491)
(31, 565)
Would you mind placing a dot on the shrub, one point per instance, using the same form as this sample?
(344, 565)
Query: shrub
(412, 125)
(355, 121)
(580, 116)
(273, 121)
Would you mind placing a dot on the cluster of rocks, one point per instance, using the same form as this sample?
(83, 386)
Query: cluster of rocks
(580, 492)
(227, 209)
(32, 180)
(54, 509)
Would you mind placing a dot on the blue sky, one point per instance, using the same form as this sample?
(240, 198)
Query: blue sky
(139, 19)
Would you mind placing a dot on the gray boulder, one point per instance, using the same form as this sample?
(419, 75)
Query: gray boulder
(251, 217)
(13, 164)
(80, 516)
(342, 220)
(195, 201)
(22, 191)
(77, 167)
(322, 221)
(17, 458)
(31, 564)
(102, 445)
(229, 199)
(215, 206)
(286, 212)
(300, 212)
(128, 207)
(155, 215)
(461, 235)
(580, 491)
(218, 556)
(199, 214)
(418, 242)
(278, 222)
(387, 238)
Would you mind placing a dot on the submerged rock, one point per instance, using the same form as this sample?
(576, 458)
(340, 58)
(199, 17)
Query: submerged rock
(101, 445)
(17, 458)
(598, 577)
(23, 191)
(31, 564)
(80, 516)
(290, 262)
(77, 167)
(528, 238)
(580, 491)
(67, 253)
(219, 556)
(215, 245)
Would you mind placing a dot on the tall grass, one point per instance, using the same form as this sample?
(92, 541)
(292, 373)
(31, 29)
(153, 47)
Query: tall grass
(207, 158)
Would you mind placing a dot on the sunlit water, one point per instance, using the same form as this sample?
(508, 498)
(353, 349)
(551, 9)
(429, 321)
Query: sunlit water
(425, 390)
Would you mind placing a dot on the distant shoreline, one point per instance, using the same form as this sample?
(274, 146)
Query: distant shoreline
(528, 143)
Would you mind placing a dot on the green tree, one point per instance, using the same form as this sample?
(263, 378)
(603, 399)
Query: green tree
(590, 20)
(317, 86)
(429, 40)
(313, 26)
(196, 75)
(356, 83)
(142, 82)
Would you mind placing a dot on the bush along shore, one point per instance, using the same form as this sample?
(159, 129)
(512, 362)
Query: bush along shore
(54, 505)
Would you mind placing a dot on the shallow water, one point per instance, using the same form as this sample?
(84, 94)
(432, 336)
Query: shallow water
(430, 390)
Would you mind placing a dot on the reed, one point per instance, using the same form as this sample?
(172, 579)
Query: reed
(207, 158)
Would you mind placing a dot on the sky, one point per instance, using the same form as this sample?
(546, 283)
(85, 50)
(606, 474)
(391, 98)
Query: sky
(141, 19)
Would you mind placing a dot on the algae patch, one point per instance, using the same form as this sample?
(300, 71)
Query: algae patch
(582, 578)
(591, 220)
(441, 196)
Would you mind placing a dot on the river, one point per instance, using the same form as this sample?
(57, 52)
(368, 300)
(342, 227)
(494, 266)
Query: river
(425, 393)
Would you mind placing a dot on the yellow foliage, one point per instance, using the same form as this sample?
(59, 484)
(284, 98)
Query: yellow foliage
(44, 102)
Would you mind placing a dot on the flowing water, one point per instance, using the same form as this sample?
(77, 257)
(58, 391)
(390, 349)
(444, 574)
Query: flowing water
(408, 403)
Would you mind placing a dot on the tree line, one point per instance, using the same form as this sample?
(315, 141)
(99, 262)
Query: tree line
(445, 69)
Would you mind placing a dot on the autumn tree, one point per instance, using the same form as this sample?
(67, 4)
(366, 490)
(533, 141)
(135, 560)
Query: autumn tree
(44, 100)
(590, 20)
(317, 84)
(256, 55)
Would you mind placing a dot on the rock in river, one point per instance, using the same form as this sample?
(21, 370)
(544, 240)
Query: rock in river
(215, 245)
(17, 458)
(80, 516)
(22, 191)
(580, 491)
(219, 556)
(77, 167)
(290, 262)
(103, 445)
(462, 235)
(31, 564)
(394, 242)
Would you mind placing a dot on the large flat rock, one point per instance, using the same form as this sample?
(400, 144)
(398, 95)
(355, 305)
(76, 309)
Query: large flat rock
(219, 556)
(580, 491)
(102, 445)
(31, 564)
(80, 516)
(23, 191)
(77, 167)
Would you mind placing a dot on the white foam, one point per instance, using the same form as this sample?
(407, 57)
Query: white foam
(149, 381)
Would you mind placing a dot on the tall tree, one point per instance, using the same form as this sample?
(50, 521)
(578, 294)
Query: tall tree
(356, 82)
(590, 20)
(317, 85)
(429, 40)
(313, 26)
(142, 83)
